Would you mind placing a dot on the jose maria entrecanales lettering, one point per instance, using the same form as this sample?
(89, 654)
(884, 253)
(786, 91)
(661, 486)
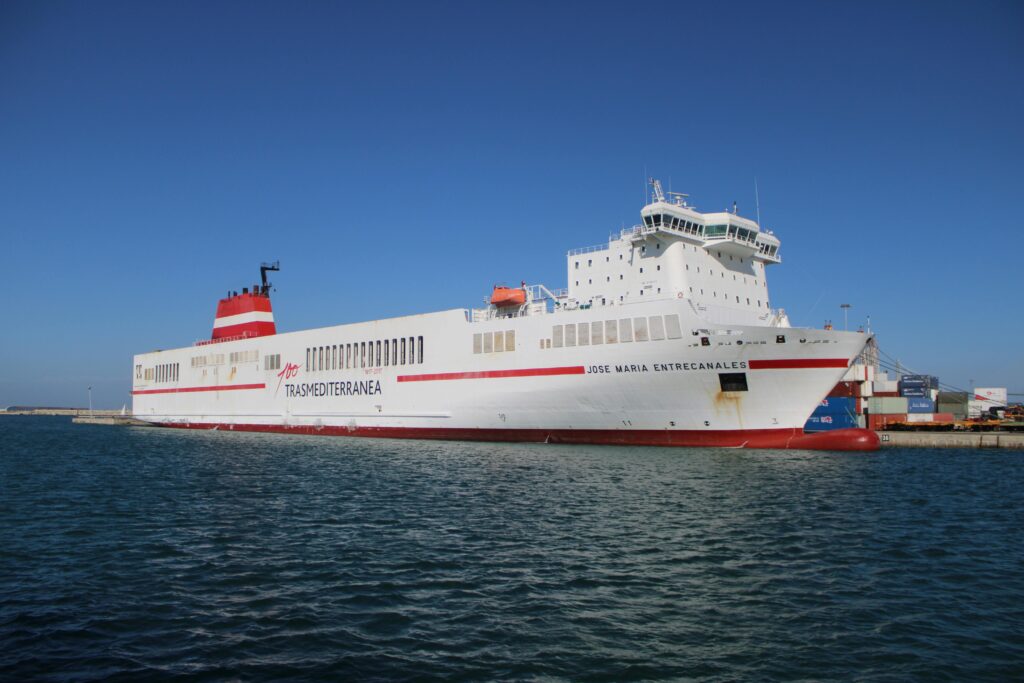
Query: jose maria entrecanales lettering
(667, 367)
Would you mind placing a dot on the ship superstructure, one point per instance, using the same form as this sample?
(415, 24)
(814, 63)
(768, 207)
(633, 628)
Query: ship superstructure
(665, 335)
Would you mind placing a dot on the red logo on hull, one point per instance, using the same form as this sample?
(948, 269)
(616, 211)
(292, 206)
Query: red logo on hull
(289, 371)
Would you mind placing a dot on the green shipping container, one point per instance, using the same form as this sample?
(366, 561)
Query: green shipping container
(887, 405)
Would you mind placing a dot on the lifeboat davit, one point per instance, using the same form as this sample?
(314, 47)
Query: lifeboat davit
(508, 296)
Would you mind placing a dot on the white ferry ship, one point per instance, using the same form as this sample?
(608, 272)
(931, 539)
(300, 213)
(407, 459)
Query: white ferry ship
(664, 336)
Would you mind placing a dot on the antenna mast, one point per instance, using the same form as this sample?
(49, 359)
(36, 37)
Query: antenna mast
(264, 267)
(757, 202)
(659, 196)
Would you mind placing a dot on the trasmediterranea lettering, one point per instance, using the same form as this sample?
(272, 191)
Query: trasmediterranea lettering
(667, 367)
(368, 387)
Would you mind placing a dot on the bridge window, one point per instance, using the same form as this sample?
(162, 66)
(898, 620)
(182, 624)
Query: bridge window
(510, 342)
(584, 334)
(557, 336)
(570, 335)
(597, 332)
(478, 343)
(499, 341)
(611, 334)
(716, 230)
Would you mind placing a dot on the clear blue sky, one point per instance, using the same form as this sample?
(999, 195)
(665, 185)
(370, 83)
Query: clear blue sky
(399, 158)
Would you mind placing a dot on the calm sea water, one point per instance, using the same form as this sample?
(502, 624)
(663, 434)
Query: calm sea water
(147, 553)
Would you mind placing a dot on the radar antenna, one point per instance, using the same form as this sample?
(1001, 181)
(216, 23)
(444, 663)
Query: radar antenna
(264, 267)
(679, 198)
(659, 196)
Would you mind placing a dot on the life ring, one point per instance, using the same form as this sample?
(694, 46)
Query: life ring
(679, 295)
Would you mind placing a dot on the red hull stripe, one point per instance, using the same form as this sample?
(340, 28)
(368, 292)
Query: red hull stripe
(484, 374)
(188, 390)
(853, 439)
(794, 363)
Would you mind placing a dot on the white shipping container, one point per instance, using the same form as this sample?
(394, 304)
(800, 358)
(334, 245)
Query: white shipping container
(920, 417)
(976, 408)
(992, 396)
(887, 385)
(865, 389)
(856, 373)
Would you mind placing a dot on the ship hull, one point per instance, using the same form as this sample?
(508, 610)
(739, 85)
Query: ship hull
(729, 386)
(837, 440)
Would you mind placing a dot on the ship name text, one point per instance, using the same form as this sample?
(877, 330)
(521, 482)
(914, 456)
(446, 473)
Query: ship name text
(366, 387)
(666, 367)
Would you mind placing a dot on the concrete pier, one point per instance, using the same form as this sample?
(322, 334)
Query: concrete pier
(1010, 440)
(110, 420)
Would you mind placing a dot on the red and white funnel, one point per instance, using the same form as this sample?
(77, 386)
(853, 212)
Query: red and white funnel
(248, 314)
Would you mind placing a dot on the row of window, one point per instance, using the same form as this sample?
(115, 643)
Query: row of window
(674, 223)
(208, 359)
(165, 372)
(726, 297)
(251, 356)
(651, 328)
(371, 354)
(272, 362)
(494, 342)
(742, 234)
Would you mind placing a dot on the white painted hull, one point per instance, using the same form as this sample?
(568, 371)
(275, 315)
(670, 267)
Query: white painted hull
(665, 386)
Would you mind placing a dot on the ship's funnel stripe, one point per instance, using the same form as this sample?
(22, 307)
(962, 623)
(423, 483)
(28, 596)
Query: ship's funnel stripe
(250, 317)
(243, 303)
(798, 363)
(490, 374)
(253, 329)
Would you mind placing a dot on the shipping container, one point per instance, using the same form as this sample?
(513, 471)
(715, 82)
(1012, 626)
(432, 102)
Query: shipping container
(822, 423)
(957, 411)
(920, 405)
(836, 404)
(918, 392)
(943, 417)
(886, 394)
(841, 389)
(883, 405)
(929, 381)
(886, 386)
(952, 397)
(993, 396)
(920, 417)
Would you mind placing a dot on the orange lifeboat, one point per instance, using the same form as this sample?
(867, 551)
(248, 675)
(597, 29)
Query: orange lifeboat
(508, 296)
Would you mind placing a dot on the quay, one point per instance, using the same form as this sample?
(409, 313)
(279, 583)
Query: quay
(1009, 440)
(110, 420)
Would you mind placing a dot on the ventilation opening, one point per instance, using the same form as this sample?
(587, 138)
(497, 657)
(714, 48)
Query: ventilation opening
(733, 381)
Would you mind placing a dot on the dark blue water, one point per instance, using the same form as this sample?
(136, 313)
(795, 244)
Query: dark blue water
(146, 553)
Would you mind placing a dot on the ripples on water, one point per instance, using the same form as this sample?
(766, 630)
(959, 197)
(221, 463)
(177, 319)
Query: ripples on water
(140, 553)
